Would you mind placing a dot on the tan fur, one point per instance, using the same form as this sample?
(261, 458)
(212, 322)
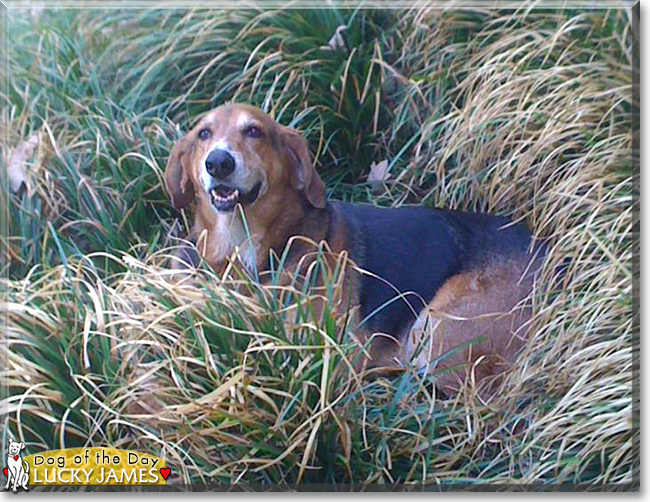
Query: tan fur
(489, 303)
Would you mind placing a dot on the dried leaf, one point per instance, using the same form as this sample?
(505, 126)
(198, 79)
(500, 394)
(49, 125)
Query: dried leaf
(17, 166)
(337, 41)
(378, 172)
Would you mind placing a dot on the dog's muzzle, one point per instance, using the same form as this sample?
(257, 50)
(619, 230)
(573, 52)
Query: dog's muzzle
(225, 198)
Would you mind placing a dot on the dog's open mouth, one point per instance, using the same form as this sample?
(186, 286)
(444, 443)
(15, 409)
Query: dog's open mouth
(225, 198)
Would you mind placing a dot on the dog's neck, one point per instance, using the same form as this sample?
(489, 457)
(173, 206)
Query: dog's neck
(224, 236)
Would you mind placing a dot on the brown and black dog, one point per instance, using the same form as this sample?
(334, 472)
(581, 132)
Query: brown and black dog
(448, 290)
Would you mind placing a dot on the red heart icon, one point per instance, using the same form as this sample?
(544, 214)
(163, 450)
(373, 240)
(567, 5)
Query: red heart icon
(6, 471)
(165, 471)
(16, 457)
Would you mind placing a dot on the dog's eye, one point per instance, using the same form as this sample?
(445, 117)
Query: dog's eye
(253, 132)
(204, 133)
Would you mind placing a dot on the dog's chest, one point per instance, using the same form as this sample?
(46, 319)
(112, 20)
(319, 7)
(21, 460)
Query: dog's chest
(11, 462)
(230, 237)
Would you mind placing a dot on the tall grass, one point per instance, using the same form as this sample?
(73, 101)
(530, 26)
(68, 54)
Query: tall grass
(524, 113)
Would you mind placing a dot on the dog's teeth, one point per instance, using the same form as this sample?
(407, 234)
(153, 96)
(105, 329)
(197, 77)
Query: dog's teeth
(217, 198)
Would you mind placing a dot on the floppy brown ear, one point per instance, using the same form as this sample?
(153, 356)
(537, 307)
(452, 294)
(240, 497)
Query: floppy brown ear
(177, 180)
(303, 175)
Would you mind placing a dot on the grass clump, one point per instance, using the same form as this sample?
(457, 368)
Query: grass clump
(524, 113)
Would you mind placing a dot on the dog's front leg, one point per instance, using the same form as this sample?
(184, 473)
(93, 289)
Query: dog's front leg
(13, 471)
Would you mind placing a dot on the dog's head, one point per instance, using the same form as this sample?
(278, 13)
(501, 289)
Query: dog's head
(15, 447)
(237, 154)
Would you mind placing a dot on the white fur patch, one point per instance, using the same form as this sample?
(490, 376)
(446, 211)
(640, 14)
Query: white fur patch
(221, 144)
(232, 238)
(243, 119)
(206, 179)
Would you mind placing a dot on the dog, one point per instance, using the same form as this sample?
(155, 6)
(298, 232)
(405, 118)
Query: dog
(444, 291)
(17, 468)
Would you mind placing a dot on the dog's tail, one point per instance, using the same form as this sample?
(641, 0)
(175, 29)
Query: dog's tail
(26, 465)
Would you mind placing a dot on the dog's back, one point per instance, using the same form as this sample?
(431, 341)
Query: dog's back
(415, 250)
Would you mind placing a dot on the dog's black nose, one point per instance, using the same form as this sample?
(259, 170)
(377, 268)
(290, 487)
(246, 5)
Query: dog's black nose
(219, 163)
